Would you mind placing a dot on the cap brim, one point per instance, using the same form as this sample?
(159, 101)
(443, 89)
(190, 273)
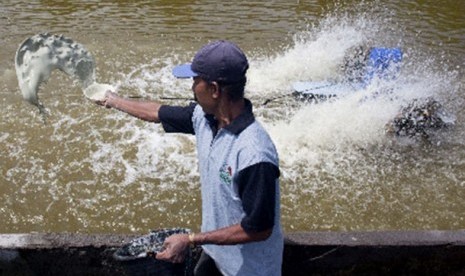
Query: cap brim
(184, 71)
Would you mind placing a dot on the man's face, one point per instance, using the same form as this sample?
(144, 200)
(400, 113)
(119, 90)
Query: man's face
(204, 95)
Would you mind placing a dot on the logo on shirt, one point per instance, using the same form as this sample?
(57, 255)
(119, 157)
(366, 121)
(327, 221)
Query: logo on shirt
(226, 174)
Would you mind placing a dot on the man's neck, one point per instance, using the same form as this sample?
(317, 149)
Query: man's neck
(228, 111)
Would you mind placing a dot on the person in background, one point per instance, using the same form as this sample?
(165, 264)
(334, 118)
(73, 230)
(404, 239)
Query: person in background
(239, 167)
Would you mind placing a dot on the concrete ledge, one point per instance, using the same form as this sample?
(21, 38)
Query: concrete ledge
(378, 238)
(61, 240)
(307, 253)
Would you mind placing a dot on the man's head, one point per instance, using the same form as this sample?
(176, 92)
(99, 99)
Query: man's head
(221, 62)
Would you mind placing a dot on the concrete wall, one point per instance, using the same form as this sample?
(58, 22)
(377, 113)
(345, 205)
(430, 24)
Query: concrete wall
(309, 253)
(375, 253)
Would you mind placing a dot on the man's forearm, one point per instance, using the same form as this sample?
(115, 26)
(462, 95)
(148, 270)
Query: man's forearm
(231, 235)
(147, 111)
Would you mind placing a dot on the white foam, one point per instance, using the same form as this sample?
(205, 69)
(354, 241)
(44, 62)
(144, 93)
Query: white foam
(313, 57)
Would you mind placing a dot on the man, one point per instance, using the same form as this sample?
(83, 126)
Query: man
(241, 232)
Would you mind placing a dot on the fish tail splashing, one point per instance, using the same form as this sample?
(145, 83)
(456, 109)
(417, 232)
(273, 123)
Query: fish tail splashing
(40, 54)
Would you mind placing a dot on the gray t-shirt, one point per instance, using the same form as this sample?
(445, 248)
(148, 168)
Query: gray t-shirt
(224, 155)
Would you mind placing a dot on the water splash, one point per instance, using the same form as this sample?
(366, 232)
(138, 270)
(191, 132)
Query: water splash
(338, 164)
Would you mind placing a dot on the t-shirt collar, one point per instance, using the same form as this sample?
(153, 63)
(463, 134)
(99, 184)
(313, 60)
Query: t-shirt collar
(244, 119)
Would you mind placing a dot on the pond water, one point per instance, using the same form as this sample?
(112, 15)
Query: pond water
(89, 169)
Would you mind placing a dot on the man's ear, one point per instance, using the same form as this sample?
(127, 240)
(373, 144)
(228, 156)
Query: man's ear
(215, 89)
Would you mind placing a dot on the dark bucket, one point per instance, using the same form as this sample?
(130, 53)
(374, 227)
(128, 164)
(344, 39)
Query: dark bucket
(137, 257)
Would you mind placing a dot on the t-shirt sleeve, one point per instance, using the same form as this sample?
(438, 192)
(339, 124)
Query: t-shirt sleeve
(257, 190)
(177, 118)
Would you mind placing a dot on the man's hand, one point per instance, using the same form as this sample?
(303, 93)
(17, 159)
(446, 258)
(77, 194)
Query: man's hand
(175, 248)
(106, 101)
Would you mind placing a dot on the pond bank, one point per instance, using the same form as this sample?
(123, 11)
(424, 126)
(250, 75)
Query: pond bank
(305, 253)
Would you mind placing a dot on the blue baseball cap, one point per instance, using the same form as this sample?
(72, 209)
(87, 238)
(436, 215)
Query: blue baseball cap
(221, 61)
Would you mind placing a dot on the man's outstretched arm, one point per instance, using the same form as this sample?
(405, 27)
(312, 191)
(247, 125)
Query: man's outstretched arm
(144, 110)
